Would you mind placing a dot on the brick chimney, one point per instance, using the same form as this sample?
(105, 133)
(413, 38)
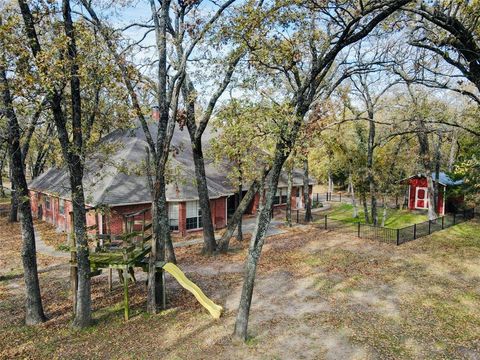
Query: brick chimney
(155, 113)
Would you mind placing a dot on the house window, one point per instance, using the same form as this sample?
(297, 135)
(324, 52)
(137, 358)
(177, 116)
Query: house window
(276, 198)
(280, 197)
(61, 206)
(173, 216)
(47, 202)
(194, 215)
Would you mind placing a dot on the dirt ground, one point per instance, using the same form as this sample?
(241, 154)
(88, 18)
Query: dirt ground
(318, 295)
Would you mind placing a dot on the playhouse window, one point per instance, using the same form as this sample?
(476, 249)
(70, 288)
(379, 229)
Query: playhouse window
(194, 215)
(47, 202)
(61, 206)
(173, 215)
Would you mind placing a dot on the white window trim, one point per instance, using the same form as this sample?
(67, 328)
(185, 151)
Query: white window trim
(186, 215)
(426, 199)
(170, 206)
(59, 213)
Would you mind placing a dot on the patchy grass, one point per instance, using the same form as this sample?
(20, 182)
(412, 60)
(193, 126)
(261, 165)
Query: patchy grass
(395, 218)
(318, 294)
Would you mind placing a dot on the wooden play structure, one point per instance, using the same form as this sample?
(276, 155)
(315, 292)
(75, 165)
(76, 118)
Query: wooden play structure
(125, 253)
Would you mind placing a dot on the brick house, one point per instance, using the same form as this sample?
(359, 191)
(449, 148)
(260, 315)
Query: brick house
(113, 180)
(418, 198)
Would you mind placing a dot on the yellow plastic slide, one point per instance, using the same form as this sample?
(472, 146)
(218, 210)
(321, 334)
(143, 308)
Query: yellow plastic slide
(214, 309)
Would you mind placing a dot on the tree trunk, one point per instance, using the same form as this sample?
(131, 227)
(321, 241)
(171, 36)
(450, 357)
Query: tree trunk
(256, 244)
(2, 189)
(424, 150)
(155, 295)
(330, 182)
(2, 164)
(352, 193)
(370, 177)
(365, 207)
(209, 243)
(33, 302)
(239, 226)
(306, 192)
(453, 151)
(289, 197)
(83, 308)
(384, 216)
(13, 217)
(438, 159)
(235, 219)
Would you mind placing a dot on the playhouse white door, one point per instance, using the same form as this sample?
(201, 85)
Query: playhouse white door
(421, 198)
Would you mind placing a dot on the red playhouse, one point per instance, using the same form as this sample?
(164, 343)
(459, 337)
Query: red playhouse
(418, 197)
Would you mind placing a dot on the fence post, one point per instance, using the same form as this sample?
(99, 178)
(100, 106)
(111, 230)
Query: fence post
(429, 227)
(358, 229)
(414, 231)
(398, 237)
(317, 198)
(443, 222)
(297, 216)
(325, 222)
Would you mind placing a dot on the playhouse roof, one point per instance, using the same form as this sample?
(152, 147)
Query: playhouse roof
(111, 177)
(443, 179)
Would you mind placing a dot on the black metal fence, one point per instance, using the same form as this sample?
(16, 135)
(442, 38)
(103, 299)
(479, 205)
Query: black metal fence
(345, 197)
(329, 196)
(396, 236)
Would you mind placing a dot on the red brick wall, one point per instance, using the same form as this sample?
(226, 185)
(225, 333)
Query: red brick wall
(293, 198)
(218, 208)
(52, 215)
(116, 222)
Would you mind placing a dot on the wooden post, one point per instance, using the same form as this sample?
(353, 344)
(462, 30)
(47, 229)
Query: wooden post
(110, 286)
(398, 237)
(358, 229)
(325, 222)
(414, 231)
(298, 216)
(429, 227)
(443, 222)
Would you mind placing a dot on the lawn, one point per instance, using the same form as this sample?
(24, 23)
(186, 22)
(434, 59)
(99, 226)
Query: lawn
(318, 295)
(395, 218)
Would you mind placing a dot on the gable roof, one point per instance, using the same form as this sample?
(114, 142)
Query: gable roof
(111, 177)
(443, 179)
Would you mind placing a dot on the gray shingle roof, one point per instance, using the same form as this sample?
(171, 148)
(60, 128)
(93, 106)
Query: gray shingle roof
(112, 176)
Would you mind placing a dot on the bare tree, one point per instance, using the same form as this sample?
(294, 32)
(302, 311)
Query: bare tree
(305, 81)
